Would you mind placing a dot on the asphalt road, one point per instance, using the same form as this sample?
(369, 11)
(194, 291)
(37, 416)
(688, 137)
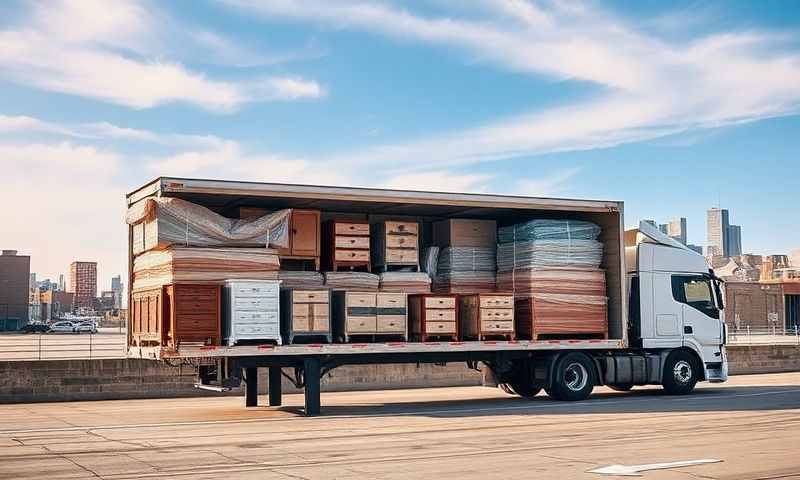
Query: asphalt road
(751, 424)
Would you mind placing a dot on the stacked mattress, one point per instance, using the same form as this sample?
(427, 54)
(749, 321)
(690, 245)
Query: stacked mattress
(466, 270)
(300, 279)
(351, 280)
(408, 282)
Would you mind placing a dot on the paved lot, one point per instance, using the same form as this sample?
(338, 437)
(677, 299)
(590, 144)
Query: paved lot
(752, 424)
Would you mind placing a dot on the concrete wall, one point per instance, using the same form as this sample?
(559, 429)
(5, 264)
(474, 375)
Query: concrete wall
(64, 380)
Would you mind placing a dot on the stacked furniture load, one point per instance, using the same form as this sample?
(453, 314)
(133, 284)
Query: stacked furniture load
(433, 316)
(369, 314)
(487, 315)
(395, 243)
(303, 234)
(408, 282)
(300, 279)
(191, 314)
(467, 261)
(251, 311)
(552, 266)
(347, 245)
(306, 313)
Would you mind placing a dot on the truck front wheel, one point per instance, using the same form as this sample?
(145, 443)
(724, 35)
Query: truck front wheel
(680, 373)
(573, 379)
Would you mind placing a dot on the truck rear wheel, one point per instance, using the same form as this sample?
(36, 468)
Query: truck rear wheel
(680, 373)
(573, 378)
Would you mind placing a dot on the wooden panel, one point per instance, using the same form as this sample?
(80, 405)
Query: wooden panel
(344, 228)
(492, 301)
(497, 326)
(305, 232)
(391, 323)
(351, 242)
(193, 305)
(440, 314)
(497, 314)
(399, 227)
(301, 321)
(352, 255)
(395, 255)
(391, 300)
(462, 232)
(401, 241)
(310, 296)
(361, 324)
(320, 317)
(434, 328)
(361, 299)
(440, 302)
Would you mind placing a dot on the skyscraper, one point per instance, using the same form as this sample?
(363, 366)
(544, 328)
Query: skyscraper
(663, 228)
(677, 229)
(62, 286)
(718, 229)
(83, 283)
(116, 287)
(15, 280)
(734, 240)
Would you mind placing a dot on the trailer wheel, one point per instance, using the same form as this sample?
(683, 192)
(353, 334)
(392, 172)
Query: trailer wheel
(680, 373)
(621, 387)
(574, 377)
(524, 389)
(552, 394)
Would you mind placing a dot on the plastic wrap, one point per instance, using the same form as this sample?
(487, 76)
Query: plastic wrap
(300, 279)
(466, 270)
(430, 261)
(548, 229)
(549, 253)
(351, 280)
(203, 265)
(407, 282)
(160, 222)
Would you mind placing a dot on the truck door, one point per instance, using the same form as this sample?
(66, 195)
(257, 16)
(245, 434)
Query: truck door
(701, 317)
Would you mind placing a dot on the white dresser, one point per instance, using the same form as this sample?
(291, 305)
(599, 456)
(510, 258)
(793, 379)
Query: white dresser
(251, 310)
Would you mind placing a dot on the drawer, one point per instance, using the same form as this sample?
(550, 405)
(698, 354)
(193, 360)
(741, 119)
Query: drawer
(361, 300)
(493, 326)
(361, 324)
(320, 312)
(192, 305)
(320, 323)
(401, 241)
(192, 323)
(256, 303)
(351, 242)
(440, 327)
(254, 290)
(444, 315)
(352, 255)
(440, 302)
(256, 329)
(310, 296)
(392, 323)
(501, 301)
(351, 228)
(391, 300)
(262, 317)
(184, 291)
(395, 227)
(301, 310)
(397, 255)
(301, 323)
(497, 314)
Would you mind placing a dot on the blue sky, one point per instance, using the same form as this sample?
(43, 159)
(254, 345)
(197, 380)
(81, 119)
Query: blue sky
(669, 106)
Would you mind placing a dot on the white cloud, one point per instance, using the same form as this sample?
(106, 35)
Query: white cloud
(439, 181)
(547, 186)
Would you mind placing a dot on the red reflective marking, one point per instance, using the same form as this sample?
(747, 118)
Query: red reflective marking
(359, 345)
(266, 347)
(554, 341)
(208, 347)
(430, 343)
(489, 342)
(396, 344)
(596, 341)
(456, 343)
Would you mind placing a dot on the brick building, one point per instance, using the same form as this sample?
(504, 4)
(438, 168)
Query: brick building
(15, 277)
(54, 304)
(762, 305)
(83, 283)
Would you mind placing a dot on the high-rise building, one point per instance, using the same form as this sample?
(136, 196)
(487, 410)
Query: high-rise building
(83, 283)
(677, 229)
(696, 248)
(663, 228)
(717, 225)
(62, 286)
(734, 240)
(116, 287)
(15, 277)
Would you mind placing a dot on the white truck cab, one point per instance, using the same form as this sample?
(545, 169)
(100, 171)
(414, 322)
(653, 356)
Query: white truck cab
(676, 306)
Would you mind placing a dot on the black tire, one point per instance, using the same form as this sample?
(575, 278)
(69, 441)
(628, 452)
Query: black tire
(552, 394)
(520, 382)
(573, 379)
(525, 389)
(681, 373)
(622, 387)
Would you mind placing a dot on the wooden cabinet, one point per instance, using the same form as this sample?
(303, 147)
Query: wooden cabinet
(347, 245)
(464, 232)
(487, 315)
(395, 243)
(369, 314)
(304, 237)
(191, 314)
(251, 310)
(433, 315)
(306, 313)
(562, 317)
(146, 310)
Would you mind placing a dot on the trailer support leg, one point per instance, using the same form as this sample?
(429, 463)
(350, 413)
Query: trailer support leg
(251, 387)
(274, 386)
(311, 369)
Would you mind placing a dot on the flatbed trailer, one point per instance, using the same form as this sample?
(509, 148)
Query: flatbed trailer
(527, 366)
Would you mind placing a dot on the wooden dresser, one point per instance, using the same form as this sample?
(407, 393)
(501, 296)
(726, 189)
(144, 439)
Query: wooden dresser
(304, 233)
(191, 314)
(395, 243)
(347, 244)
(306, 313)
(433, 315)
(487, 315)
(146, 310)
(251, 310)
(369, 314)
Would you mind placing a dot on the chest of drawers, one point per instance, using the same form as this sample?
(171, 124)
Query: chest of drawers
(347, 244)
(487, 315)
(146, 310)
(433, 315)
(369, 314)
(191, 314)
(306, 313)
(395, 243)
(251, 310)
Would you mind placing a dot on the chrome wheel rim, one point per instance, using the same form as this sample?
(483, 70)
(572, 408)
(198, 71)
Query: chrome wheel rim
(576, 377)
(682, 371)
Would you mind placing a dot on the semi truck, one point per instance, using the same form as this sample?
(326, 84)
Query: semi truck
(665, 308)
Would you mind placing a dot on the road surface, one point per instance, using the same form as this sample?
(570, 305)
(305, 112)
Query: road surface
(751, 423)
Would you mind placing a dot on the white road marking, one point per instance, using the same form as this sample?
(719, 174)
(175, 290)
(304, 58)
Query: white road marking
(635, 470)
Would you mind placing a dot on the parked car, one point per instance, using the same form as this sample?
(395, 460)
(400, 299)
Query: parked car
(63, 327)
(35, 328)
(89, 327)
